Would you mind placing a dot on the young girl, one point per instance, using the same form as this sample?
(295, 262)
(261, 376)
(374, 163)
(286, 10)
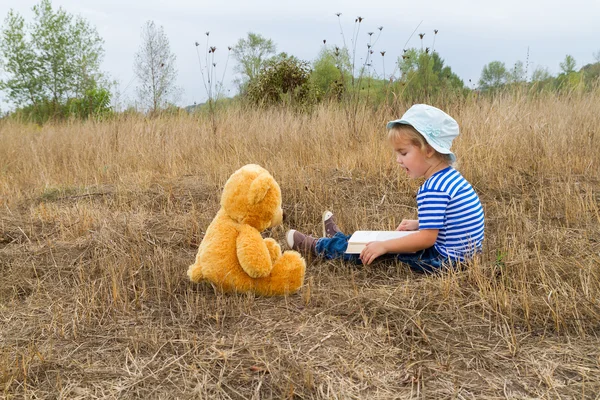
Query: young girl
(450, 225)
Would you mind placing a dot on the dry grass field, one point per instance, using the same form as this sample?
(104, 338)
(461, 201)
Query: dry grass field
(100, 220)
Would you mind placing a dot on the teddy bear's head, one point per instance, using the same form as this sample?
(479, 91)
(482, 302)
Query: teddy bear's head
(252, 196)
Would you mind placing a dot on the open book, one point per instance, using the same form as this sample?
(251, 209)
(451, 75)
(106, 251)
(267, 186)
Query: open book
(359, 239)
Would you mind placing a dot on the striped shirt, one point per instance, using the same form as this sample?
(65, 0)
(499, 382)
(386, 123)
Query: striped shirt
(446, 201)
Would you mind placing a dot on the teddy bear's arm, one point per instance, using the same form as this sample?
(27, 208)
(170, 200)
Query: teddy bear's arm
(252, 253)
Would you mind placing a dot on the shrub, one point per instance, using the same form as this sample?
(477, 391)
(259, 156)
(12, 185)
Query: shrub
(283, 79)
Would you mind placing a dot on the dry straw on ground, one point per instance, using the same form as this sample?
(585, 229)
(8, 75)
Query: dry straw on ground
(99, 221)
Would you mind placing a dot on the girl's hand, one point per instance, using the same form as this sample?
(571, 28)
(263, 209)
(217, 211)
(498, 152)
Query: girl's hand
(408, 225)
(371, 251)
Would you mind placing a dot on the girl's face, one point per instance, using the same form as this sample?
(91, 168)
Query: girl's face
(416, 162)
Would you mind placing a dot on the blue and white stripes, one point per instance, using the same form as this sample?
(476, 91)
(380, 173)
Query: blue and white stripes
(446, 201)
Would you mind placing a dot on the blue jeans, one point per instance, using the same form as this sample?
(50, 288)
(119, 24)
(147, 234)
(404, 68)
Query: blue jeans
(424, 261)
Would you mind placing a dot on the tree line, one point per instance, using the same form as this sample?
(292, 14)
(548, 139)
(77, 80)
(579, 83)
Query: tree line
(52, 71)
(496, 76)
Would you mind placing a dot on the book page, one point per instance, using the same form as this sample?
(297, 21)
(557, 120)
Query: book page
(377, 236)
(359, 239)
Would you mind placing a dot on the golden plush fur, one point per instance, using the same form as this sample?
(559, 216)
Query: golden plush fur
(233, 255)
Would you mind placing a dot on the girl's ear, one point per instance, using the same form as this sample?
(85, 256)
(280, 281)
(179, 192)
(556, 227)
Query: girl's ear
(429, 151)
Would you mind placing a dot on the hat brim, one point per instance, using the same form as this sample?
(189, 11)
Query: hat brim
(437, 148)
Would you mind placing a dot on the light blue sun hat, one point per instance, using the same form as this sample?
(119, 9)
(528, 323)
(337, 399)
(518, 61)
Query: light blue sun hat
(438, 128)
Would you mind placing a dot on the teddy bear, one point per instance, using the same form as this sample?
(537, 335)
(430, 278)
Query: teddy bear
(233, 255)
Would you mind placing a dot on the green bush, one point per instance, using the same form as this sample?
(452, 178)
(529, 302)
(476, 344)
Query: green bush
(283, 80)
(95, 103)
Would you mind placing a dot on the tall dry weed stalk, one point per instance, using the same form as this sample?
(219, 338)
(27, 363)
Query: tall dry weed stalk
(99, 220)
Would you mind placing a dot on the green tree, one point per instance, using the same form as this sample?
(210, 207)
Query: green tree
(591, 74)
(20, 63)
(540, 74)
(251, 54)
(423, 76)
(493, 75)
(517, 74)
(447, 78)
(330, 71)
(541, 79)
(408, 62)
(568, 65)
(154, 66)
(52, 60)
(569, 80)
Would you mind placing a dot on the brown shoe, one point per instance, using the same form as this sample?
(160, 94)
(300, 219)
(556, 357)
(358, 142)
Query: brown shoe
(329, 226)
(300, 242)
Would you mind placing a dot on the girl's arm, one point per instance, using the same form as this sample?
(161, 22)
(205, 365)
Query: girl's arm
(408, 225)
(420, 240)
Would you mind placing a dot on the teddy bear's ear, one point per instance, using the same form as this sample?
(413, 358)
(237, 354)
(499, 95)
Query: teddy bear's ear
(259, 188)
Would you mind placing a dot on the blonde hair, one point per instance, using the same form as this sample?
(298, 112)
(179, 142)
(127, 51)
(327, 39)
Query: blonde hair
(409, 132)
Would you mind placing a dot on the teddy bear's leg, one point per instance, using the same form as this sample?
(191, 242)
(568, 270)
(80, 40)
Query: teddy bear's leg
(195, 272)
(286, 276)
(274, 249)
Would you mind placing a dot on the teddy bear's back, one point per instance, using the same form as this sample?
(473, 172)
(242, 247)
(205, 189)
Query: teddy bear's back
(218, 255)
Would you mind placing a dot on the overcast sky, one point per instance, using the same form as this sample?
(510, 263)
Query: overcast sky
(471, 33)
